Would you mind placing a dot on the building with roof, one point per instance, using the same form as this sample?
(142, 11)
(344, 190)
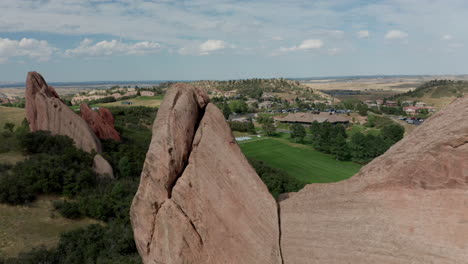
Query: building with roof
(309, 118)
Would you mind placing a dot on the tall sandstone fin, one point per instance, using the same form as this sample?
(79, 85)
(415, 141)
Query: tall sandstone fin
(46, 111)
(199, 200)
(409, 205)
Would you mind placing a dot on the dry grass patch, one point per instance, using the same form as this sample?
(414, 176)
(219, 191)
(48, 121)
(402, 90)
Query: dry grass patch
(11, 114)
(25, 227)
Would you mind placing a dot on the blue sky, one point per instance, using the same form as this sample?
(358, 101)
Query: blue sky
(86, 40)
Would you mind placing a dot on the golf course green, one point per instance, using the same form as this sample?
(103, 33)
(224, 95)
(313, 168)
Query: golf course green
(300, 161)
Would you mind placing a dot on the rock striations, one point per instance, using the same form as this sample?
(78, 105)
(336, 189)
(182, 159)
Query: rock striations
(199, 200)
(45, 111)
(410, 205)
(101, 123)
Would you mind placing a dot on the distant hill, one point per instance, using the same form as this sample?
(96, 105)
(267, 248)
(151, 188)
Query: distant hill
(436, 92)
(256, 87)
(439, 88)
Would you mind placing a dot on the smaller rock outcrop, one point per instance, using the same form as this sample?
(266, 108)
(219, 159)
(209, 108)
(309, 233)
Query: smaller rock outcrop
(46, 111)
(101, 123)
(102, 167)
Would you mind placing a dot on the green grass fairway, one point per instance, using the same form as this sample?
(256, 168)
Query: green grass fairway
(301, 161)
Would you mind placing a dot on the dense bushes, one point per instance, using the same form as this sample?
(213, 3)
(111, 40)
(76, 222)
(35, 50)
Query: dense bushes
(242, 126)
(66, 172)
(277, 181)
(94, 244)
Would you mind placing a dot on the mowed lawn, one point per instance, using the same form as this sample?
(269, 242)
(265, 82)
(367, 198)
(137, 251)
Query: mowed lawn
(302, 161)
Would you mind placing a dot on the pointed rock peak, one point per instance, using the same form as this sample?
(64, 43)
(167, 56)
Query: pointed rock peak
(199, 200)
(35, 83)
(46, 111)
(101, 123)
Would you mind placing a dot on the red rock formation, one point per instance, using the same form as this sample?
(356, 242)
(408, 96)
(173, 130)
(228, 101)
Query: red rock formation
(410, 205)
(106, 115)
(101, 123)
(199, 200)
(45, 111)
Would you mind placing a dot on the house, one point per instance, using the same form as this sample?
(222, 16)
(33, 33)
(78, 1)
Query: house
(420, 104)
(309, 118)
(379, 102)
(267, 96)
(391, 103)
(410, 110)
(265, 104)
(368, 102)
(146, 93)
(240, 119)
(251, 101)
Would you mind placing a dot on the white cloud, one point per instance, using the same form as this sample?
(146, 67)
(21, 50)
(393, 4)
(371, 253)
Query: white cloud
(32, 48)
(113, 47)
(447, 37)
(306, 45)
(396, 34)
(205, 48)
(211, 45)
(363, 34)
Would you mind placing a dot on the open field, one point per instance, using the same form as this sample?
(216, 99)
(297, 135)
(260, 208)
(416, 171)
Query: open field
(25, 227)
(300, 161)
(11, 157)
(11, 114)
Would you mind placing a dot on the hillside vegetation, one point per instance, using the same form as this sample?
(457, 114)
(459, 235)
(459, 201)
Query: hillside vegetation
(254, 88)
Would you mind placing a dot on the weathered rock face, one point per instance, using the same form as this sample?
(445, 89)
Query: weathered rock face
(101, 123)
(199, 200)
(408, 206)
(45, 111)
(102, 167)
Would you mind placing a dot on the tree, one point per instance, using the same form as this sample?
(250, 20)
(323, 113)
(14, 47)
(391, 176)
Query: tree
(269, 129)
(238, 106)
(124, 167)
(393, 132)
(226, 111)
(298, 132)
(9, 126)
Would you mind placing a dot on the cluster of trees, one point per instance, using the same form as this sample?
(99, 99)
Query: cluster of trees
(267, 124)
(242, 126)
(19, 104)
(361, 148)
(57, 168)
(277, 181)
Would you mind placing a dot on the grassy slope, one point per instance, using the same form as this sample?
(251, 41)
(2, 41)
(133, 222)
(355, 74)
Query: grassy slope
(300, 161)
(11, 114)
(25, 227)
